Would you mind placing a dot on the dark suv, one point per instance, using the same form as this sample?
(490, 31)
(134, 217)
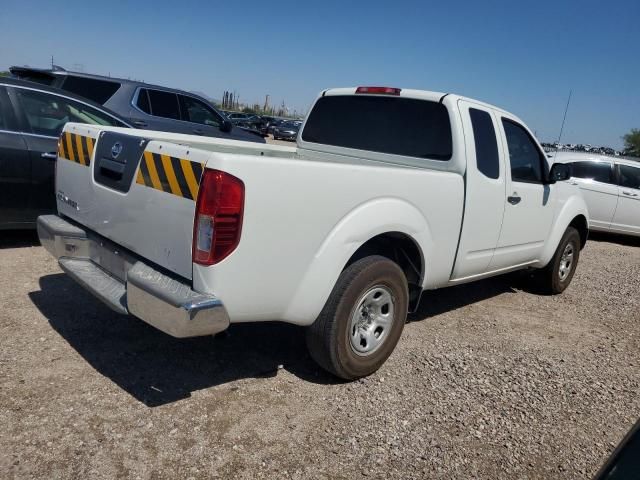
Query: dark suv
(145, 106)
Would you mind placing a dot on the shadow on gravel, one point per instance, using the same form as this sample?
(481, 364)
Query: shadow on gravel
(18, 238)
(436, 302)
(156, 368)
(626, 240)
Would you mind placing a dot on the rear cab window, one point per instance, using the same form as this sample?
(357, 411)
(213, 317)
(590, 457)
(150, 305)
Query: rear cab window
(385, 124)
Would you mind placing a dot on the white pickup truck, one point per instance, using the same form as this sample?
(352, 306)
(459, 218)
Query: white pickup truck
(388, 192)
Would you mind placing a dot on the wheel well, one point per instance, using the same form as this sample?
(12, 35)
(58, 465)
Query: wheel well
(580, 224)
(401, 249)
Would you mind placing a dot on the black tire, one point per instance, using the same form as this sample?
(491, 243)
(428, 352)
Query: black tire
(551, 279)
(328, 338)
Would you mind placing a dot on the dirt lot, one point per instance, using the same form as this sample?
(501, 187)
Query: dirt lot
(490, 380)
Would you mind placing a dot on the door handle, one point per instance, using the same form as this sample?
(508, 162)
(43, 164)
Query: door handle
(631, 194)
(573, 182)
(49, 155)
(197, 131)
(514, 199)
(139, 123)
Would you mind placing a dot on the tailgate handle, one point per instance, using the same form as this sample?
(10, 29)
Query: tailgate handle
(111, 169)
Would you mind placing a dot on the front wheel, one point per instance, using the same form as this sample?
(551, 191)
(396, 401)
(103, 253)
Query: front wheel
(362, 320)
(557, 275)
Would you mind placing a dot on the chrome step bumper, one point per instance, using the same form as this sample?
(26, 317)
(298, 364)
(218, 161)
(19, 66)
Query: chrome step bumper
(129, 285)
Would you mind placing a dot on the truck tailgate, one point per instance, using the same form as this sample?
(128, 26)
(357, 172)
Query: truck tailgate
(137, 192)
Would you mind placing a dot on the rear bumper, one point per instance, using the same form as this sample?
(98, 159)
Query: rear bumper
(129, 285)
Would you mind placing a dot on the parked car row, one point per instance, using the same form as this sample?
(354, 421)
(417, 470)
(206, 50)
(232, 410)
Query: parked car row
(572, 147)
(264, 124)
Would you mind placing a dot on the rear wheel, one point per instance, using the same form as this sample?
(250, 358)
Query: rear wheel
(362, 320)
(557, 275)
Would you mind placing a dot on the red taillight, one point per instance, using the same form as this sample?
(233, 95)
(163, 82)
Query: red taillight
(218, 220)
(379, 90)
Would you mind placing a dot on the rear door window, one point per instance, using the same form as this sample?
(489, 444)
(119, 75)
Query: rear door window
(629, 177)
(142, 102)
(195, 111)
(164, 104)
(525, 157)
(94, 89)
(484, 136)
(394, 125)
(597, 171)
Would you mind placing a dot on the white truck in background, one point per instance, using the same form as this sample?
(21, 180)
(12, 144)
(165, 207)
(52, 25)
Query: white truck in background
(389, 192)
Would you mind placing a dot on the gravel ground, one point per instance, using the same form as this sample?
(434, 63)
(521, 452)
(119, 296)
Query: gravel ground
(490, 380)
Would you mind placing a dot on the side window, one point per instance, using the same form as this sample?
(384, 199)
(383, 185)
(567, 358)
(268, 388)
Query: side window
(193, 110)
(92, 88)
(629, 177)
(164, 104)
(5, 110)
(525, 157)
(46, 113)
(597, 171)
(484, 136)
(143, 101)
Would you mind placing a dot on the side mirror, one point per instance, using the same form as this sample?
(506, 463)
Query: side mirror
(226, 126)
(559, 173)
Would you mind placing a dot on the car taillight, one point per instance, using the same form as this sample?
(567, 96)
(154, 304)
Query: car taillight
(379, 90)
(218, 219)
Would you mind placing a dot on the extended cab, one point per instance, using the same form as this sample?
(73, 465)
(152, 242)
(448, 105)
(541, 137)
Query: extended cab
(388, 192)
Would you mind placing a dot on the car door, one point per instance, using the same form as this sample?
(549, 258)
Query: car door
(627, 216)
(529, 202)
(485, 191)
(15, 168)
(42, 115)
(597, 182)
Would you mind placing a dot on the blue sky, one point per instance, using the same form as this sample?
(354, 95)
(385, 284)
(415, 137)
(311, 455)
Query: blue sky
(521, 56)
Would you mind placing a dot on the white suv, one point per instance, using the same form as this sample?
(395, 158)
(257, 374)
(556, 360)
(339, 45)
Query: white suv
(611, 188)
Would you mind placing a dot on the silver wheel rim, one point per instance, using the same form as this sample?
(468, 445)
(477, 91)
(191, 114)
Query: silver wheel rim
(371, 320)
(566, 262)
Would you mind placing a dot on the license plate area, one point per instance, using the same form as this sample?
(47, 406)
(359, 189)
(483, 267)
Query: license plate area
(111, 258)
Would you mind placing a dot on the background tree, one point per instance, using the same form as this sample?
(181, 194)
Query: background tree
(5, 74)
(632, 142)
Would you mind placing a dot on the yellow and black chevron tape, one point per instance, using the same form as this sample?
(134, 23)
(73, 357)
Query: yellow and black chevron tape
(76, 148)
(170, 174)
